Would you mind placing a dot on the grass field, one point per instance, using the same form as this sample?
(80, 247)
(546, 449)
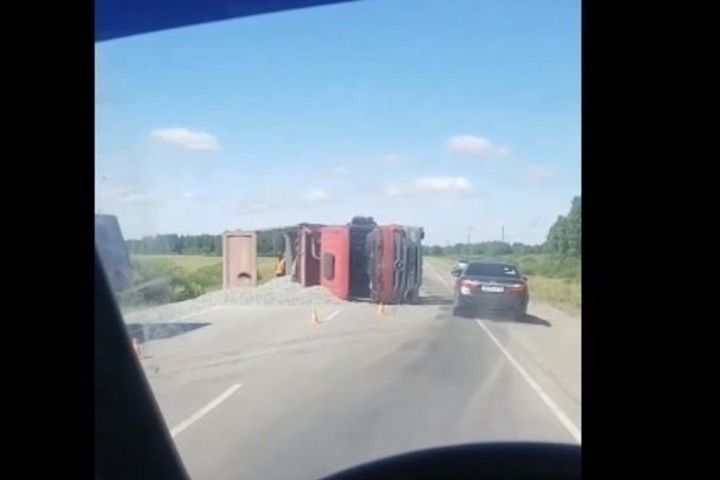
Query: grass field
(563, 291)
(194, 263)
(189, 263)
(183, 277)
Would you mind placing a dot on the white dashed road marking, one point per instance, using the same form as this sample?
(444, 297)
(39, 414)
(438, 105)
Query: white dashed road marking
(332, 315)
(182, 426)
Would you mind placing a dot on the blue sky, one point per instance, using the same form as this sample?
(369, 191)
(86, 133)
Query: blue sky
(446, 114)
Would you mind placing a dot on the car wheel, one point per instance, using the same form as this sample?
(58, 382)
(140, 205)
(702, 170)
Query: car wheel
(457, 311)
(520, 316)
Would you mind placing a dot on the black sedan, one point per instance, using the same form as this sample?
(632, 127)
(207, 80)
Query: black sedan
(496, 287)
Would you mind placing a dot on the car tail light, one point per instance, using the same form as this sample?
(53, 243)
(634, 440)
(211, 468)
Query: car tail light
(466, 286)
(516, 287)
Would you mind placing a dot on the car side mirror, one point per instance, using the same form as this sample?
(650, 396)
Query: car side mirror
(524, 278)
(455, 273)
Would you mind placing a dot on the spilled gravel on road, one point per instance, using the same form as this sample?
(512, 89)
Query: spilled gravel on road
(275, 293)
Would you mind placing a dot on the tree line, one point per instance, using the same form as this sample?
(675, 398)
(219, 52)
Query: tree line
(563, 240)
(210, 245)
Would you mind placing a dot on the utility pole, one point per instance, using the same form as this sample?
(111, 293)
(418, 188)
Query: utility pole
(502, 234)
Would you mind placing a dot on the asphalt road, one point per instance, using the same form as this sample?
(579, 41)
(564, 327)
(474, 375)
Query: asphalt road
(254, 392)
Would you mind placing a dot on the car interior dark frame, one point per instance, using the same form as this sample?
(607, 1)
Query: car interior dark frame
(131, 438)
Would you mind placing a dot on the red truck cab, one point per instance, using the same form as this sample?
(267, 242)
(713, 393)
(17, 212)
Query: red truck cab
(377, 263)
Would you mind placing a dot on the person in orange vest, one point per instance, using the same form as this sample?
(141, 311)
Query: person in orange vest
(280, 265)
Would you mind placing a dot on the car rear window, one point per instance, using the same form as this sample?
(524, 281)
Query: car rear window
(491, 270)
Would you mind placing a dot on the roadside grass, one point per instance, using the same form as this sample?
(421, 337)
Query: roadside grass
(160, 279)
(554, 282)
(562, 293)
(189, 263)
(266, 269)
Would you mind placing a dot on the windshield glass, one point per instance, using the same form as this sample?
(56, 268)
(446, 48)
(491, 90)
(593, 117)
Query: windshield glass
(285, 197)
(491, 270)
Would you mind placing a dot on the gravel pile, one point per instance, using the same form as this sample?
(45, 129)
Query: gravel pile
(279, 291)
(275, 293)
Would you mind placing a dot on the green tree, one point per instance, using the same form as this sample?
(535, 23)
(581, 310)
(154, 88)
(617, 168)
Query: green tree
(564, 238)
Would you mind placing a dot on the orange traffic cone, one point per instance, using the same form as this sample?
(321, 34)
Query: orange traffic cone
(315, 319)
(136, 347)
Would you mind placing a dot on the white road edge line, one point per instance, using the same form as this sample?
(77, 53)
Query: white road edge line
(204, 410)
(332, 315)
(567, 423)
(549, 402)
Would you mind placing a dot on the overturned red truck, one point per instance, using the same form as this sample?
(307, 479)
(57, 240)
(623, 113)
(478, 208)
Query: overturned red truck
(360, 261)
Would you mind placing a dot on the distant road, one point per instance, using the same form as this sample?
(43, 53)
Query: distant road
(263, 392)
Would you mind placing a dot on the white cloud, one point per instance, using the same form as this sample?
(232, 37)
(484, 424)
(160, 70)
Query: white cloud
(395, 191)
(443, 184)
(192, 140)
(250, 206)
(121, 194)
(432, 185)
(134, 197)
(475, 146)
(392, 159)
(538, 174)
(196, 196)
(315, 196)
(271, 204)
(259, 208)
(334, 172)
